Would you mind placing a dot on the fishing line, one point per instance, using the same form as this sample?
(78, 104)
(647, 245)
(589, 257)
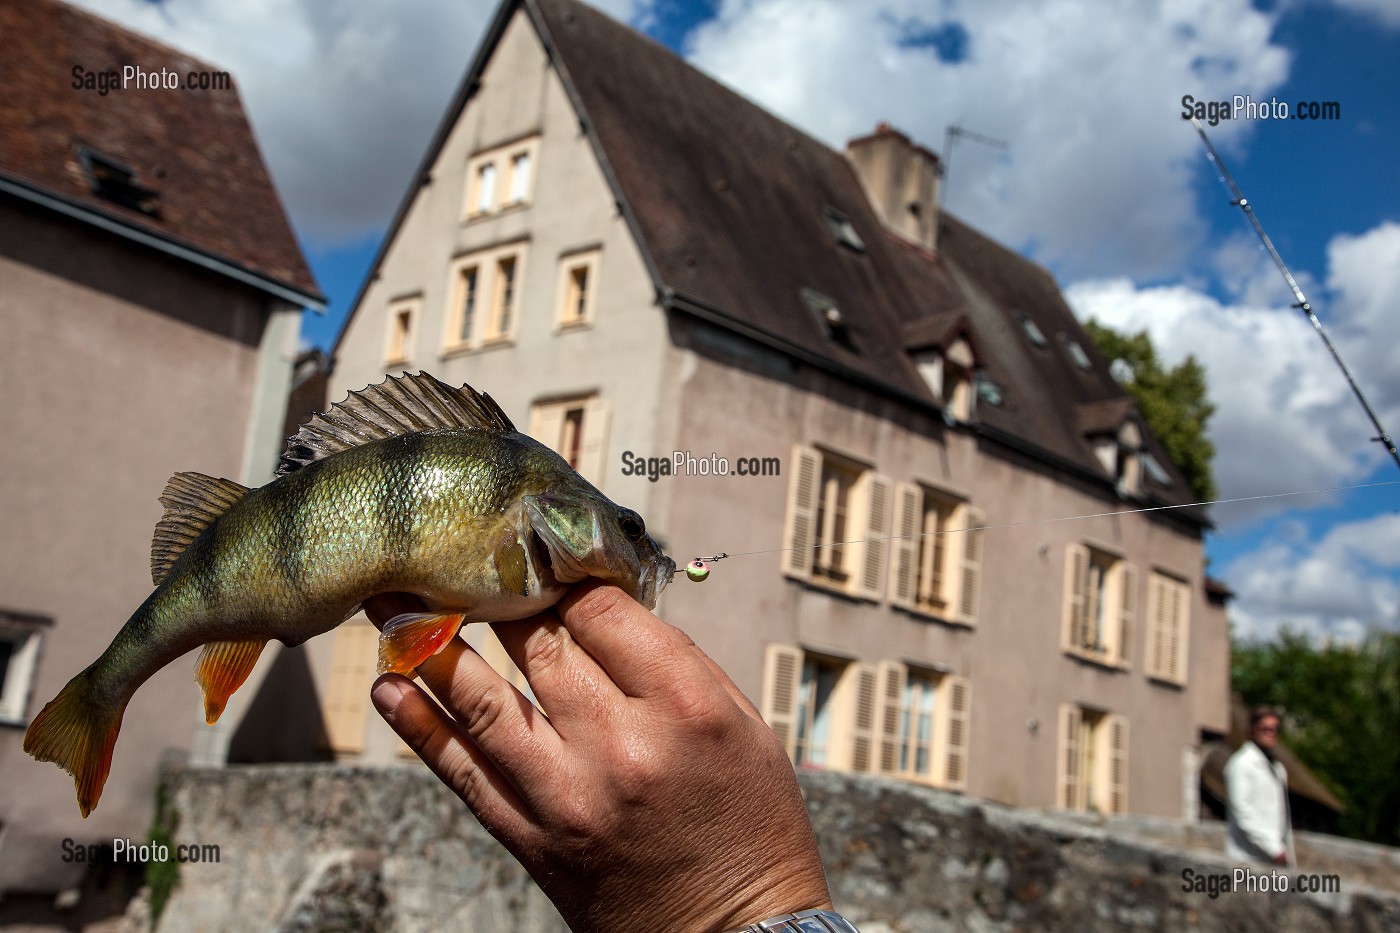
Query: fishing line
(1238, 199)
(699, 569)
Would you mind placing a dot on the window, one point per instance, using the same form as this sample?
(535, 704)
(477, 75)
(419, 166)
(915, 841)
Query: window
(512, 164)
(1168, 618)
(923, 725)
(829, 318)
(576, 429)
(578, 286)
(354, 659)
(503, 302)
(948, 374)
(402, 316)
(1100, 606)
(1091, 761)
(842, 231)
(1032, 329)
(882, 718)
(519, 178)
(19, 658)
(937, 562)
(1077, 354)
(483, 298)
(115, 182)
(837, 525)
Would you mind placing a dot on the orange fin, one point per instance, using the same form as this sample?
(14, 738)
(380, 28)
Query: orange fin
(412, 638)
(222, 668)
(78, 735)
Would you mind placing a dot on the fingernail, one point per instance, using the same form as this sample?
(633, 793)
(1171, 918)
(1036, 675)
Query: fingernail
(386, 695)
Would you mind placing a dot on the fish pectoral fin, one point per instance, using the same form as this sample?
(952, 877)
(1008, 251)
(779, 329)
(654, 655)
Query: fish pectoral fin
(222, 668)
(412, 638)
(512, 567)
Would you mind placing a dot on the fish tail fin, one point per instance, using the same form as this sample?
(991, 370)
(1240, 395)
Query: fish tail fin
(78, 734)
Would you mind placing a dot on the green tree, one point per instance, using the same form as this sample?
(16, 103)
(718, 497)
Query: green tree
(1342, 718)
(1174, 402)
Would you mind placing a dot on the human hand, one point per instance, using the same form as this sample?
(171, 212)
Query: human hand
(652, 797)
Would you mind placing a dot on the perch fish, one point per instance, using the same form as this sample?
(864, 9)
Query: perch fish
(408, 486)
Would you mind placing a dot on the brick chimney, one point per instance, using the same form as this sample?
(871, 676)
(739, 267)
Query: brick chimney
(901, 180)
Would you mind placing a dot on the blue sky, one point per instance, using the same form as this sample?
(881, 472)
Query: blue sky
(1101, 181)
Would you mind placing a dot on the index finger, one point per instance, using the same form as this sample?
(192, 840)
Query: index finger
(643, 655)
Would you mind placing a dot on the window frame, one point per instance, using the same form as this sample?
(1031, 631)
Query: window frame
(960, 539)
(398, 342)
(501, 161)
(589, 260)
(866, 520)
(1116, 591)
(485, 328)
(1092, 758)
(548, 418)
(1168, 640)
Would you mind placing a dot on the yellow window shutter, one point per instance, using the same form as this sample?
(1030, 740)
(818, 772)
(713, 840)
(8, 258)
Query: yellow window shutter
(354, 658)
(1076, 608)
(1118, 764)
(801, 532)
(891, 696)
(876, 532)
(957, 705)
(1069, 760)
(865, 718)
(970, 580)
(908, 505)
(1158, 651)
(593, 450)
(1179, 621)
(1127, 614)
(782, 666)
(547, 426)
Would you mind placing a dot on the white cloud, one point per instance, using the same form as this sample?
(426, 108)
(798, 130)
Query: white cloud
(1098, 175)
(344, 97)
(1339, 586)
(1286, 420)
(1387, 12)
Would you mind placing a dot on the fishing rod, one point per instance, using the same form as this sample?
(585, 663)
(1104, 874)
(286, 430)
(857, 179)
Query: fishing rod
(1301, 302)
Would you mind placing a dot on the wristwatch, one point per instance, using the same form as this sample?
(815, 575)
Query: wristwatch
(804, 921)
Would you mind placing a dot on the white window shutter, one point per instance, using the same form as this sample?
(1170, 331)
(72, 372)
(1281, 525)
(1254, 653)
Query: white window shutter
(1157, 650)
(1117, 764)
(547, 426)
(1180, 625)
(957, 705)
(801, 532)
(891, 696)
(593, 450)
(1127, 615)
(864, 718)
(1069, 760)
(782, 666)
(876, 532)
(346, 703)
(970, 580)
(908, 508)
(1076, 608)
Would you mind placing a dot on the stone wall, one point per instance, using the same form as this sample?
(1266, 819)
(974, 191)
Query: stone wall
(335, 847)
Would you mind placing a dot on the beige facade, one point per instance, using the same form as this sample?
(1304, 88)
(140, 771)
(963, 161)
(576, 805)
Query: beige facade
(907, 595)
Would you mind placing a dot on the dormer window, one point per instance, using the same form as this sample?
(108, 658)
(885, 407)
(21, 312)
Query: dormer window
(988, 391)
(829, 316)
(842, 230)
(1032, 329)
(115, 182)
(1154, 470)
(1076, 353)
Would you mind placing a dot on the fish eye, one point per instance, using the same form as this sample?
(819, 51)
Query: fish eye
(632, 524)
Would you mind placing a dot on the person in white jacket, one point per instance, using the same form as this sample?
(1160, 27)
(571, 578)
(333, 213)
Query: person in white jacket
(1259, 825)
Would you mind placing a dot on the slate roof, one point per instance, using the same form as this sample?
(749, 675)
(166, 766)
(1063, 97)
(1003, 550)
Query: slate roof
(727, 204)
(194, 150)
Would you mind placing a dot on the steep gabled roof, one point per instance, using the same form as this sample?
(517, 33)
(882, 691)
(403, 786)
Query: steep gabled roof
(736, 214)
(197, 185)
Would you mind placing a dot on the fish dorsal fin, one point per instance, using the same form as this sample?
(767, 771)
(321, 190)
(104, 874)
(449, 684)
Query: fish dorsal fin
(192, 501)
(399, 405)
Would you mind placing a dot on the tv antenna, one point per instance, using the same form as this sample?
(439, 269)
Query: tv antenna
(951, 135)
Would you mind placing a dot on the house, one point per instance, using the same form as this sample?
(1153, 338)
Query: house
(929, 484)
(151, 290)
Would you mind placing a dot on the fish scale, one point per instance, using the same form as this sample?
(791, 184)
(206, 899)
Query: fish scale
(408, 486)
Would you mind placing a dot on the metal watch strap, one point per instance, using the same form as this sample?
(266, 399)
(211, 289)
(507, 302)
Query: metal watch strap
(804, 921)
